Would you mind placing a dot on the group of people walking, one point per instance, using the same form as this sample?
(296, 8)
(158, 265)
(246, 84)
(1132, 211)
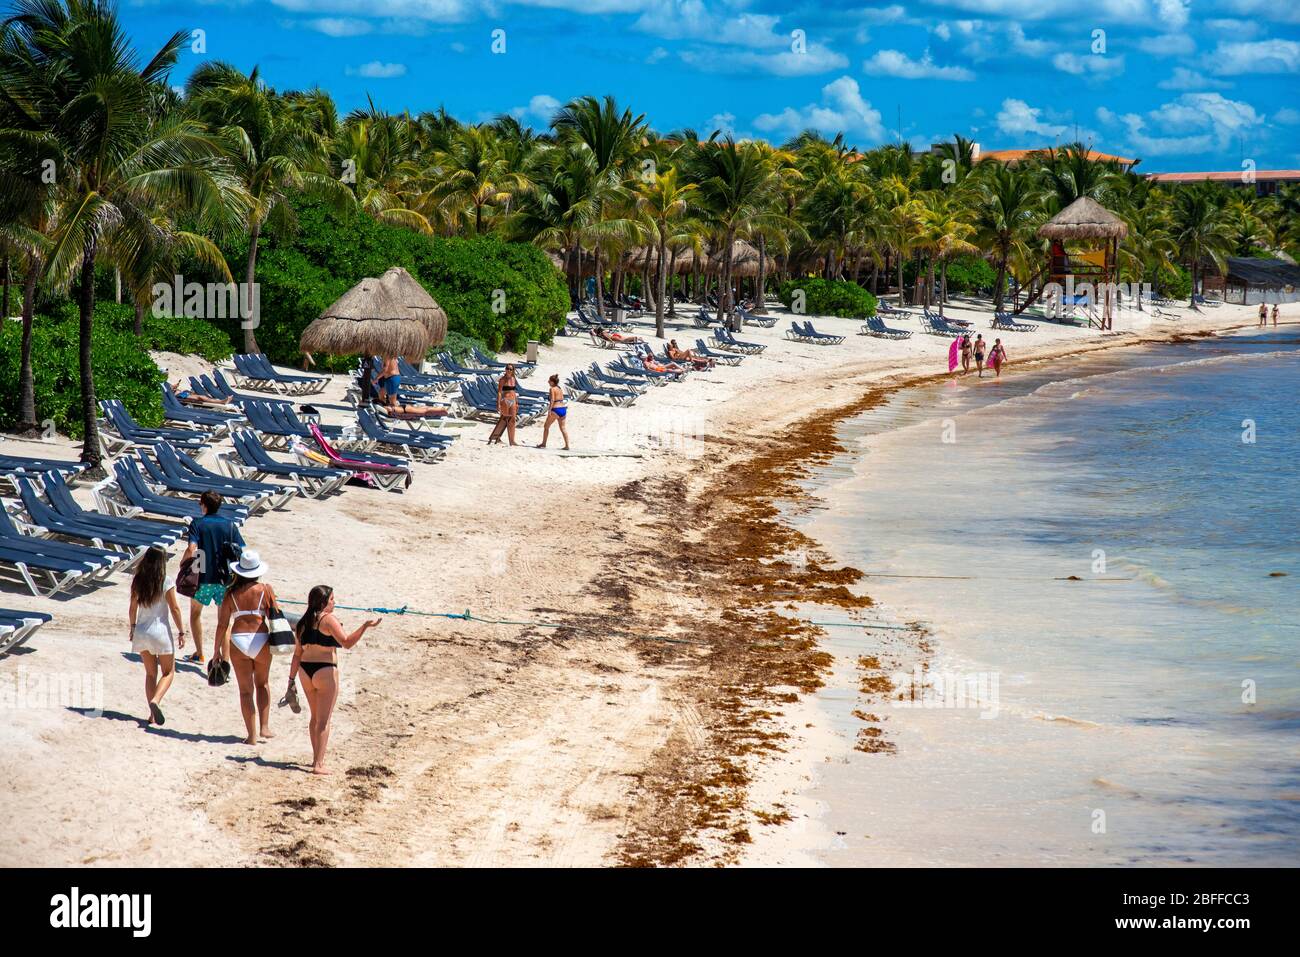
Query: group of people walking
(964, 351)
(217, 569)
(557, 410)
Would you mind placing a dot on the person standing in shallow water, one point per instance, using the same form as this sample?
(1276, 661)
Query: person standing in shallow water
(966, 351)
(980, 346)
(1263, 314)
(997, 356)
(1274, 315)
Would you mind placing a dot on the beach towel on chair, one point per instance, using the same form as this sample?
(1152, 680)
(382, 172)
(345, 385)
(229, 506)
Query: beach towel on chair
(362, 466)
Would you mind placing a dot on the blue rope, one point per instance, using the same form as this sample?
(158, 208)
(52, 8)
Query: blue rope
(461, 616)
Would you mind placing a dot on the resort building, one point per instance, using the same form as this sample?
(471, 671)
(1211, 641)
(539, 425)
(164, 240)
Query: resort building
(1265, 181)
(1016, 156)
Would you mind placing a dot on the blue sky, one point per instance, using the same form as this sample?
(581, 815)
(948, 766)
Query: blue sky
(1183, 84)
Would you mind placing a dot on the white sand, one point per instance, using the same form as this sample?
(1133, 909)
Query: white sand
(497, 745)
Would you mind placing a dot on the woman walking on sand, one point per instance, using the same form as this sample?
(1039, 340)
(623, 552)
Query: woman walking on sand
(1263, 314)
(243, 639)
(980, 345)
(558, 413)
(997, 356)
(966, 351)
(315, 659)
(152, 599)
(1274, 315)
(507, 405)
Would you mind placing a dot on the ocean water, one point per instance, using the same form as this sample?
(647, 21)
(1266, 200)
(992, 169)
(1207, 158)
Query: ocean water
(1095, 541)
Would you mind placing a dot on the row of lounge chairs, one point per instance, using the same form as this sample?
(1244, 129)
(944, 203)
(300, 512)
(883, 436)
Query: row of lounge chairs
(1009, 323)
(17, 626)
(804, 332)
(254, 371)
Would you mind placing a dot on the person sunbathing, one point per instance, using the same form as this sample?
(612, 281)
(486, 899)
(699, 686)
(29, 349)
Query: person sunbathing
(618, 337)
(654, 365)
(397, 409)
(190, 397)
(688, 355)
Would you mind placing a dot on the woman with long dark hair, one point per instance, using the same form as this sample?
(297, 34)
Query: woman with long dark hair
(507, 405)
(243, 639)
(315, 659)
(151, 632)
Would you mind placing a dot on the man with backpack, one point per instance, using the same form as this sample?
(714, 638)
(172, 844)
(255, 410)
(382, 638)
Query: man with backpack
(214, 542)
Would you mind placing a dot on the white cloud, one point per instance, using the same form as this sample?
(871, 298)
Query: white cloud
(441, 11)
(1193, 123)
(540, 107)
(1256, 56)
(984, 39)
(339, 26)
(1018, 119)
(1090, 65)
(815, 59)
(724, 123)
(1270, 10)
(1287, 116)
(376, 70)
(1241, 29)
(1185, 79)
(841, 110)
(657, 54)
(896, 63)
(1167, 44)
(1173, 13)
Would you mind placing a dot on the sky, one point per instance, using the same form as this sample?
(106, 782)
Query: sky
(1182, 84)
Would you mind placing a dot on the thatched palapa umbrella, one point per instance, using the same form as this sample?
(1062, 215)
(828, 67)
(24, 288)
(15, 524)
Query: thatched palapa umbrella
(370, 319)
(417, 300)
(1085, 218)
(744, 259)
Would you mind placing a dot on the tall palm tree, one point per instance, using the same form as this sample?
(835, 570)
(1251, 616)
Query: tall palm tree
(612, 137)
(902, 227)
(117, 161)
(473, 174)
(737, 185)
(279, 146)
(1009, 207)
(946, 232)
(662, 200)
(1201, 231)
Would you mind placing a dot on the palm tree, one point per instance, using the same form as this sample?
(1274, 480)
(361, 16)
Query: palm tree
(737, 186)
(1010, 203)
(902, 224)
(663, 199)
(280, 146)
(612, 138)
(473, 174)
(117, 161)
(946, 231)
(1201, 231)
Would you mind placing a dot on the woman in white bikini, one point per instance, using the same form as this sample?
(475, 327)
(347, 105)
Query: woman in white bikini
(152, 599)
(243, 639)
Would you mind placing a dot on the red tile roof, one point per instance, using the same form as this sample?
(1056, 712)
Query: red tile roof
(1225, 177)
(1015, 156)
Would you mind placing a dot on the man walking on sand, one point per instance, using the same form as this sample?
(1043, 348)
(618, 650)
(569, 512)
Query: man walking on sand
(214, 543)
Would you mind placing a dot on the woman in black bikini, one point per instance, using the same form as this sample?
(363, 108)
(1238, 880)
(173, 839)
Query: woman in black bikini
(315, 655)
(507, 405)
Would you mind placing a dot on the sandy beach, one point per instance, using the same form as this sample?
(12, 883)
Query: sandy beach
(662, 721)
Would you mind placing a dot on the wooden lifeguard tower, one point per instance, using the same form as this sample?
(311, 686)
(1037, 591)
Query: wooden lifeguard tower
(1085, 246)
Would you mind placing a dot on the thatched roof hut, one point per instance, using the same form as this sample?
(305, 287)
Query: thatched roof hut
(417, 300)
(369, 319)
(1084, 219)
(744, 259)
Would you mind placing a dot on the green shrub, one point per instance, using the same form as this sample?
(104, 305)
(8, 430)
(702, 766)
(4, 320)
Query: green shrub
(500, 293)
(122, 371)
(827, 297)
(1176, 284)
(970, 273)
(460, 347)
(196, 337)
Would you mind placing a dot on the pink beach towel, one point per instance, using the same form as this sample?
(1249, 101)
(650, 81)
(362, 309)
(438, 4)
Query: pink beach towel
(954, 351)
(359, 466)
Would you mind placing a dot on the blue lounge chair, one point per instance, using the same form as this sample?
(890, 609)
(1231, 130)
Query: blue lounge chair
(1008, 322)
(132, 540)
(806, 333)
(127, 493)
(181, 483)
(730, 343)
(455, 368)
(65, 564)
(749, 318)
(14, 467)
(259, 375)
(176, 463)
(61, 500)
(122, 433)
(621, 382)
(425, 446)
(218, 423)
(937, 325)
(523, 369)
(582, 388)
(726, 358)
(248, 460)
(17, 626)
(875, 326)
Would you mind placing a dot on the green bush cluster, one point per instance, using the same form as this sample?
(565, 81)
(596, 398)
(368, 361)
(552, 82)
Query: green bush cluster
(1176, 284)
(500, 293)
(123, 370)
(829, 297)
(188, 336)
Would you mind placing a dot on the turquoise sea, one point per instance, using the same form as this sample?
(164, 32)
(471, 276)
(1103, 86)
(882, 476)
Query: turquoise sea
(1098, 539)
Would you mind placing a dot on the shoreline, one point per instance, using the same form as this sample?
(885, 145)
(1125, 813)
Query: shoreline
(659, 725)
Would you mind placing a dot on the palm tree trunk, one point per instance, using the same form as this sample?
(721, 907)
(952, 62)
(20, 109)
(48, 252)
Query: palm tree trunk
(672, 268)
(4, 278)
(663, 285)
(901, 304)
(250, 337)
(139, 319)
(760, 285)
(943, 284)
(997, 283)
(724, 294)
(90, 450)
(26, 384)
(600, 286)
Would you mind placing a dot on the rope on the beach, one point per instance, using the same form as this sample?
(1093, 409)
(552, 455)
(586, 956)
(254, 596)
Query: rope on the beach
(466, 615)
(861, 624)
